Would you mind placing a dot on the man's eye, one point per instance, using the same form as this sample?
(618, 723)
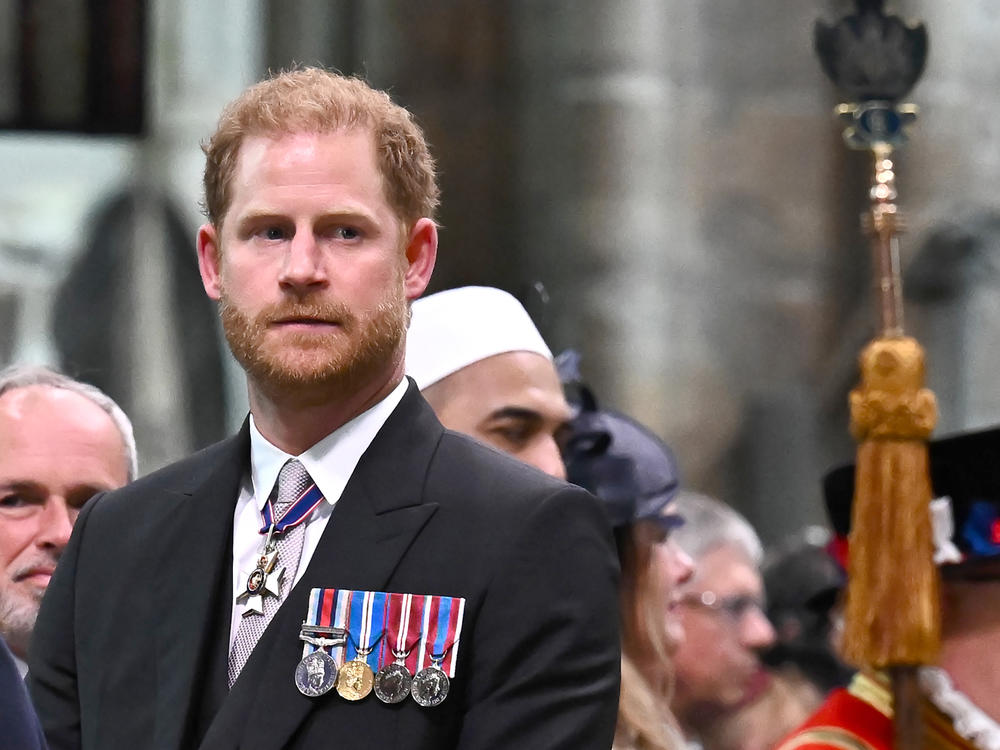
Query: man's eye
(16, 504)
(740, 606)
(273, 233)
(346, 233)
(76, 501)
(514, 434)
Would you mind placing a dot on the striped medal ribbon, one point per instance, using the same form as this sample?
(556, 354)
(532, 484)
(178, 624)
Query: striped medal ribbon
(438, 649)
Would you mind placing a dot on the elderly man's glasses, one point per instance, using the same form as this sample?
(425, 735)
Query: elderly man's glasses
(733, 608)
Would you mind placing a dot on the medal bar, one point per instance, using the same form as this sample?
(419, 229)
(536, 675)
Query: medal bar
(322, 642)
(323, 630)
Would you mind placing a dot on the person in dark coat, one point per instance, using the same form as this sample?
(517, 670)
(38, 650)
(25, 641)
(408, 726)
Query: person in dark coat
(19, 727)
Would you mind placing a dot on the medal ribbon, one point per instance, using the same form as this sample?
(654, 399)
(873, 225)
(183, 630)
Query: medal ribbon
(385, 622)
(366, 622)
(327, 608)
(443, 627)
(355, 621)
(375, 627)
(454, 636)
(320, 612)
(403, 610)
(297, 512)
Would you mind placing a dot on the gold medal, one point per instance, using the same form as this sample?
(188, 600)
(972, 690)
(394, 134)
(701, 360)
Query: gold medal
(355, 680)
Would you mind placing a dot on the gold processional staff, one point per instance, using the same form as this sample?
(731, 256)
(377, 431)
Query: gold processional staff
(892, 617)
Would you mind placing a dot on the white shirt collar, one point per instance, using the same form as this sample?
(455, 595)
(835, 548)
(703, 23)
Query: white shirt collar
(331, 461)
(21, 664)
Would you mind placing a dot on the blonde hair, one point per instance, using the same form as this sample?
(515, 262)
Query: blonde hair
(645, 721)
(312, 100)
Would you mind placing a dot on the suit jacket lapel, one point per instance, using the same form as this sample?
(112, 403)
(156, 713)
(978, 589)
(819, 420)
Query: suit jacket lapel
(372, 526)
(194, 574)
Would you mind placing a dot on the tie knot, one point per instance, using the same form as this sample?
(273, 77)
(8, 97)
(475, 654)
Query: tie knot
(293, 481)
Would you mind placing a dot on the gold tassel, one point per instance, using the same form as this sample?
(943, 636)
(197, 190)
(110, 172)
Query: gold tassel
(892, 615)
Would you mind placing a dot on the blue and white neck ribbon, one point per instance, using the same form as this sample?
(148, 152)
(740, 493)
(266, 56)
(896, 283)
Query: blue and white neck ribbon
(297, 512)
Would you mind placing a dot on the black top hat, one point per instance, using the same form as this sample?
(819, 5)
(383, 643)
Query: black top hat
(621, 462)
(965, 468)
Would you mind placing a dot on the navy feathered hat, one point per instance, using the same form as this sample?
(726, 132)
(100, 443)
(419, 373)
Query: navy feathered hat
(965, 476)
(623, 463)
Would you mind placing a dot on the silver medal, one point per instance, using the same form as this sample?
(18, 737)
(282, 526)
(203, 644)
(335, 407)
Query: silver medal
(430, 687)
(316, 674)
(392, 683)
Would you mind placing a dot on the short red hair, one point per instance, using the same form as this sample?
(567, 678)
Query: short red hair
(312, 100)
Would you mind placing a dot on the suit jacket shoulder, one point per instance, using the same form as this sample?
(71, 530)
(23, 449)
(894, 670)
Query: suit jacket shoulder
(229, 457)
(493, 492)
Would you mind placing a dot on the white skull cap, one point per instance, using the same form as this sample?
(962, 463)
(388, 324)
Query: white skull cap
(452, 329)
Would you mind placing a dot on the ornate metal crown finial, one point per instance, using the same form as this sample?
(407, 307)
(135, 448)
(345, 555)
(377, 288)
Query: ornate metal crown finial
(871, 55)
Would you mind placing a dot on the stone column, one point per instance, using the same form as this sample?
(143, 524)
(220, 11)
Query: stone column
(673, 177)
(602, 206)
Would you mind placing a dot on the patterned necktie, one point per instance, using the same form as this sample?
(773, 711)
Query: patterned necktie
(293, 482)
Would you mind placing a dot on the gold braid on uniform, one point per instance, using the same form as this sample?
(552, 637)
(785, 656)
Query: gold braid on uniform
(833, 737)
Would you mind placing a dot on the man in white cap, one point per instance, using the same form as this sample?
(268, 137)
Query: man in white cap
(484, 368)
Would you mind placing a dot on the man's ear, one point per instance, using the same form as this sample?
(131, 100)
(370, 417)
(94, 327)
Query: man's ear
(209, 260)
(421, 254)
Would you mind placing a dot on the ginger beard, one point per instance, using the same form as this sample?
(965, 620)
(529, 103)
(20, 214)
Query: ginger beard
(337, 360)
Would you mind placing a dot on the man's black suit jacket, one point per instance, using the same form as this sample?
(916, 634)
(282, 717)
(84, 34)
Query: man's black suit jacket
(130, 646)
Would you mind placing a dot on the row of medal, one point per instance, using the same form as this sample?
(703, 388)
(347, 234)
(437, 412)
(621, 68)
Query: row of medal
(395, 645)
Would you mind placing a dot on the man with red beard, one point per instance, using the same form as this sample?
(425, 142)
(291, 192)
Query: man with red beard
(344, 572)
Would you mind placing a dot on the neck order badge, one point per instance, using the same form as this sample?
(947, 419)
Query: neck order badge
(266, 578)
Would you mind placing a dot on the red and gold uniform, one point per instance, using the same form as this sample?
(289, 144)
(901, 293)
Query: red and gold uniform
(860, 718)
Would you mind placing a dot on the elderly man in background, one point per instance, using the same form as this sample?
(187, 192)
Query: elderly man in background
(484, 368)
(61, 442)
(721, 610)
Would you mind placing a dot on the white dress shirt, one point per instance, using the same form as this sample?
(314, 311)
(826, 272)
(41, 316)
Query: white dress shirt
(330, 463)
(21, 664)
